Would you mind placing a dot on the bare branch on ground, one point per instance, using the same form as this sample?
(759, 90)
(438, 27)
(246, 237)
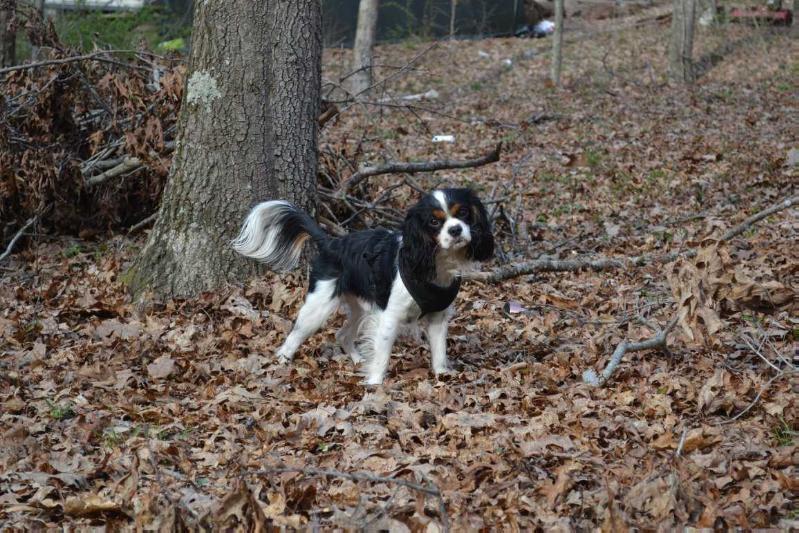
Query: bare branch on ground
(658, 341)
(418, 166)
(611, 263)
(16, 237)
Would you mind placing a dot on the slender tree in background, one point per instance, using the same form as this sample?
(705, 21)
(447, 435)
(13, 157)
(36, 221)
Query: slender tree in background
(557, 44)
(8, 37)
(681, 65)
(453, 8)
(247, 132)
(362, 59)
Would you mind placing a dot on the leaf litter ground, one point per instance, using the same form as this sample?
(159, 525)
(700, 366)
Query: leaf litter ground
(173, 418)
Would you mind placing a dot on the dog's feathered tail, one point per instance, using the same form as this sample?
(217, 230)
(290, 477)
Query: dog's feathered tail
(274, 233)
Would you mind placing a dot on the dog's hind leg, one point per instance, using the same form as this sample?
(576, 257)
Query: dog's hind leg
(348, 333)
(318, 306)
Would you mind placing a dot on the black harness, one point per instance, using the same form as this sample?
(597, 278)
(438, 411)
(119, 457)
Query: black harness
(429, 296)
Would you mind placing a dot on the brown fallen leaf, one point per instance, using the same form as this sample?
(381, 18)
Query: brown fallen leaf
(562, 483)
(161, 367)
(90, 505)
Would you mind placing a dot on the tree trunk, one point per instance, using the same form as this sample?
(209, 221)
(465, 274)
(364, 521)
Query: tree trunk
(681, 65)
(247, 133)
(8, 37)
(557, 43)
(361, 78)
(453, 8)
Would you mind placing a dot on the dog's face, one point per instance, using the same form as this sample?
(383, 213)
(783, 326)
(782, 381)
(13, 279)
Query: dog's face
(450, 219)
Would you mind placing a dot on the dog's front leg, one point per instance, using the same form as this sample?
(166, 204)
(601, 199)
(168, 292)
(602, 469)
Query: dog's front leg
(384, 336)
(437, 335)
(383, 340)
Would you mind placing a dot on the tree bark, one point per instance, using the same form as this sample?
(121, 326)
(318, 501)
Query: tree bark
(361, 78)
(8, 37)
(681, 65)
(247, 133)
(557, 43)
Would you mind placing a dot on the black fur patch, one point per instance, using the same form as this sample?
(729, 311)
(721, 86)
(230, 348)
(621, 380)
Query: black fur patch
(363, 263)
(366, 263)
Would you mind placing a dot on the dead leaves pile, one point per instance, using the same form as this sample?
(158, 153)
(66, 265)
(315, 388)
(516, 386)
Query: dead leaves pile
(710, 286)
(179, 417)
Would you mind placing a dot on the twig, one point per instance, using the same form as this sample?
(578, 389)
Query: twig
(682, 443)
(757, 398)
(430, 489)
(658, 341)
(609, 263)
(22, 230)
(142, 223)
(760, 354)
(418, 166)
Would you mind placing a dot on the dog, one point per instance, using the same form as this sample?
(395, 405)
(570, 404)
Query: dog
(385, 279)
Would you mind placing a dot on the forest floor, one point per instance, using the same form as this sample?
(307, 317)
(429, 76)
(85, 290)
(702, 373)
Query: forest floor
(181, 416)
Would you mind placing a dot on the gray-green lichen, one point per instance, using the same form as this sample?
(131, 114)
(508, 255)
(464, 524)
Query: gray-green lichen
(202, 89)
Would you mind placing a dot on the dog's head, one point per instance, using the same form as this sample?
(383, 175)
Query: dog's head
(448, 219)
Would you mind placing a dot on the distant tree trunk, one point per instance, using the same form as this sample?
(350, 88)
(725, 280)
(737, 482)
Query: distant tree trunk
(8, 37)
(362, 59)
(681, 65)
(453, 8)
(557, 43)
(247, 132)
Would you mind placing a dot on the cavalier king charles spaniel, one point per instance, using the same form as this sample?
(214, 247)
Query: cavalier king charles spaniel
(384, 279)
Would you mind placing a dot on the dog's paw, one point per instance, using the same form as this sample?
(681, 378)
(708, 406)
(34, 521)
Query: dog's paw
(443, 370)
(356, 357)
(283, 358)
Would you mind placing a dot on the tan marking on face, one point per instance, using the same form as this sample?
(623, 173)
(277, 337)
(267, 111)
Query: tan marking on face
(454, 209)
(439, 214)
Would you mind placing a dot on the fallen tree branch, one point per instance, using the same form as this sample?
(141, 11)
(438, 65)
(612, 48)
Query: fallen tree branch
(16, 237)
(129, 163)
(430, 489)
(419, 166)
(547, 265)
(757, 217)
(119, 166)
(658, 341)
(609, 263)
(94, 56)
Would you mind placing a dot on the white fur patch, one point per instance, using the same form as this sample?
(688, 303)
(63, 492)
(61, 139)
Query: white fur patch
(259, 237)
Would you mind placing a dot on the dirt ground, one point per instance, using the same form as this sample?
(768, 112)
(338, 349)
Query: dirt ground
(180, 417)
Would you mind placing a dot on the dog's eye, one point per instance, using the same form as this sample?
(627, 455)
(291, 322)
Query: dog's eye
(434, 222)
(463, 212)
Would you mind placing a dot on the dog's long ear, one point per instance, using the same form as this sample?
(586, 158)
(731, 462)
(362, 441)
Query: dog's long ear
(418, 246)
(482, 246)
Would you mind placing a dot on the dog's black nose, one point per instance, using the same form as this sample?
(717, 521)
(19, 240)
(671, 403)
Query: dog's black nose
(455, 231)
